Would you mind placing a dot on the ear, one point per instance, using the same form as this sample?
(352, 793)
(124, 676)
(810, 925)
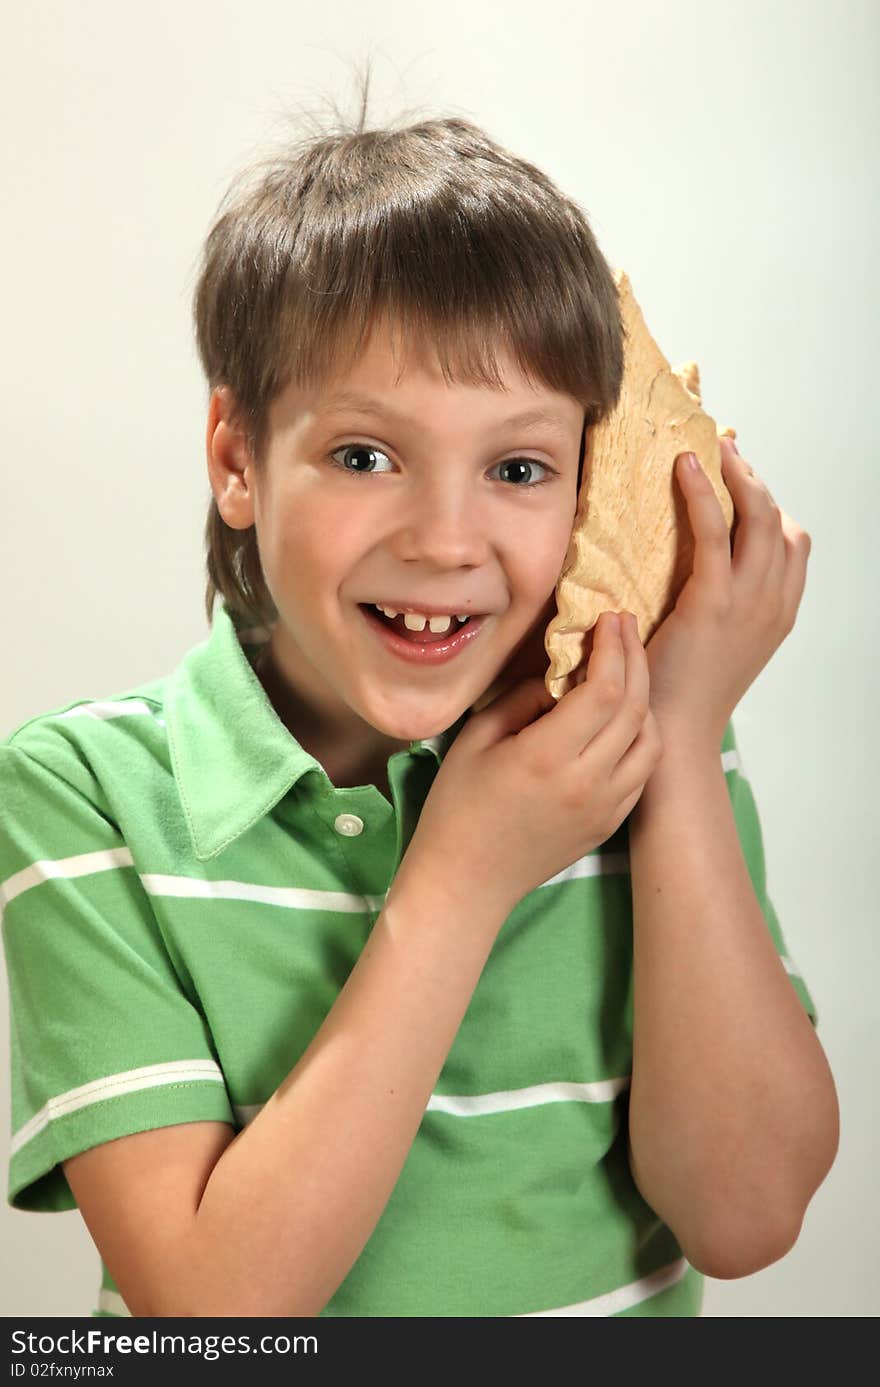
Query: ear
(230, 464)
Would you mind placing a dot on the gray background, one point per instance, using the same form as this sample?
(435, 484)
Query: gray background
(724, 153)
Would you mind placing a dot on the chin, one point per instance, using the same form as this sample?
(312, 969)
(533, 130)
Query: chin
(414, 727)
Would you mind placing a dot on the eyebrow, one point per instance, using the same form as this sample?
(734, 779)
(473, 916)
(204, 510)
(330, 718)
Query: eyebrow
(354, 399)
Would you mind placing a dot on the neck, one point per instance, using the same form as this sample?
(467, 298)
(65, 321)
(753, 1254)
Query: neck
(351, 751)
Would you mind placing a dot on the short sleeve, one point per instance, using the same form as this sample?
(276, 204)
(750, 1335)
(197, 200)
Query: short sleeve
(104, 1040)
(748, 826)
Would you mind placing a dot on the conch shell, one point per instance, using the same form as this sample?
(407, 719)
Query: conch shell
(631, 546)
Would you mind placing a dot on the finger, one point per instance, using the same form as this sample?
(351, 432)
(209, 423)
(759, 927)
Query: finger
(786, 574)
(774, 582)
(624, 741)
(591, 636)
(738, 467)
(730, 453)
(757, 540)
(798, 545)
(711, 562)
(638, 679)
(588, 707)
(630, 707)
(635, 767)
(606, 666)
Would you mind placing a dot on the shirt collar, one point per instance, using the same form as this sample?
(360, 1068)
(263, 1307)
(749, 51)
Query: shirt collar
(232, 756)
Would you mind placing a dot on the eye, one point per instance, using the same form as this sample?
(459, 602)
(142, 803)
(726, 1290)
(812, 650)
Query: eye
(361, 453)
(519, 464)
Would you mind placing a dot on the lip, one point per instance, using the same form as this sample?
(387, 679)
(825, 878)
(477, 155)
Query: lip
(431, 652)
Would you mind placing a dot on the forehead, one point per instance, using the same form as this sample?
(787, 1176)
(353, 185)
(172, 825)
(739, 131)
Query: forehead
(401, 377)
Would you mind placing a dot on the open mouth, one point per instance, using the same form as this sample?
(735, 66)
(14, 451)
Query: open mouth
(425, 646)
(426, 636)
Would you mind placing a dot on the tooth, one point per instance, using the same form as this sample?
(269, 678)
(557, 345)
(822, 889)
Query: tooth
(389, 611)
(415, 621)
(438, 624)
(461, 618)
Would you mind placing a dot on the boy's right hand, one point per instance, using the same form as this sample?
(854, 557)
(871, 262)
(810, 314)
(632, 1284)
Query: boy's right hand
(530, 785)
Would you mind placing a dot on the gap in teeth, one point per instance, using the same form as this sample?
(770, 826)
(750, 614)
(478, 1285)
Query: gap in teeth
(417, 621)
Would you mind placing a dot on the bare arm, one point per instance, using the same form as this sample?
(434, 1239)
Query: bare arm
(193, 1220)
(733, 1110)
(293, 1199)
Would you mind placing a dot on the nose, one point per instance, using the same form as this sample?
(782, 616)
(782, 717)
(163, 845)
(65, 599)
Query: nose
(443, 522)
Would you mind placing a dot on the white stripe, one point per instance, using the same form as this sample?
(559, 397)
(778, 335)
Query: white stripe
(115, 1086)
(290, 897)
(730, 761)
(510, 1100)
(156, 884)
(505, 1100)
(594, 864)
(109, 708)
(623, 1299)
(112, 1301)
(287, 897)
(609, 1304)
(83, 864)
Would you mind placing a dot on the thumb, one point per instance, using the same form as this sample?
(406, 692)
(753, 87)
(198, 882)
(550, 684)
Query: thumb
(510, 712)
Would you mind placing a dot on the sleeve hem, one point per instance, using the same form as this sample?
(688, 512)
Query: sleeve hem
(36, 1179)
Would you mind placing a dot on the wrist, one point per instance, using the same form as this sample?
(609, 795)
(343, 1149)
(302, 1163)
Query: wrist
(683, 765)
(688, 738)
(436, 882)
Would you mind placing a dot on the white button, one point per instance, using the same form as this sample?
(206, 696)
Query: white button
(349, 824)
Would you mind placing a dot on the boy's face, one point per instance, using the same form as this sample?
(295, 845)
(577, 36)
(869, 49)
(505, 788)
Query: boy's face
(422, 512)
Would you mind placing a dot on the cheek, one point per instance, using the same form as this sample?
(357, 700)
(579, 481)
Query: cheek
(305, 543)
(341, 534)
(564, 534)
(534, 554)
(550, 556)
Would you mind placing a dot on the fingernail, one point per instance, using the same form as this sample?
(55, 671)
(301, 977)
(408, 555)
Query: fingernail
(733, 446)
(692, 461)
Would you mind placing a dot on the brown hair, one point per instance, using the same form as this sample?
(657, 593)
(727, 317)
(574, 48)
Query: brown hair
(455, 240)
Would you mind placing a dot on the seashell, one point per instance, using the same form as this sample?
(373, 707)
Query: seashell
(631, 546)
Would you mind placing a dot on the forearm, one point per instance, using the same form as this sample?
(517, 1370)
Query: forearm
(733, 1112)
(292, 1201)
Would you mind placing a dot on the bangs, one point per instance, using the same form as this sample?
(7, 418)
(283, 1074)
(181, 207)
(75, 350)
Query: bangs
(453, 292)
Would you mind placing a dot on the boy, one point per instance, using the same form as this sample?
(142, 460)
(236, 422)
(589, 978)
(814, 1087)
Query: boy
(332, 994)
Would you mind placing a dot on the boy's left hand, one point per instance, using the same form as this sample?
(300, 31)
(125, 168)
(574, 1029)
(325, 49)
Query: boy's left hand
(733, 612)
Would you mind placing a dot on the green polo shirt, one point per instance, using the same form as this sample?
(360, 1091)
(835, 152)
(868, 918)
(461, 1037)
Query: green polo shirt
(184, 893)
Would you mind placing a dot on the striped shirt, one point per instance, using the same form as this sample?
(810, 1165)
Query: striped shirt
(184, 892)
